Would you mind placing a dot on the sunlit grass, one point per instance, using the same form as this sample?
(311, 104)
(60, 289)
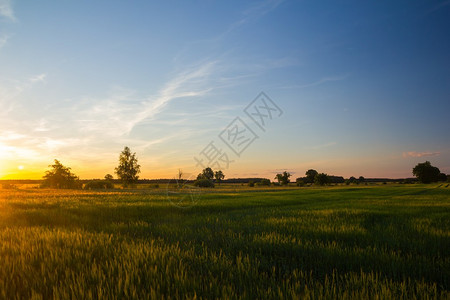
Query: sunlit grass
(335, 242)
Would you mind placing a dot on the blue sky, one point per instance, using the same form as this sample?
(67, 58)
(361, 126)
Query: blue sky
(364, 87)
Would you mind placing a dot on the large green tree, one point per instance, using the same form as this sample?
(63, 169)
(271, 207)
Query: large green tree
(128, 169)
(207, 173)
(60, 177)
(426, 173)
(321, 179)
(283, 178)
(219, 176)
(310, 175)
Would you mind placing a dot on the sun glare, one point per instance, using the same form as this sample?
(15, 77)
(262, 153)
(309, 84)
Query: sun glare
(20, 167)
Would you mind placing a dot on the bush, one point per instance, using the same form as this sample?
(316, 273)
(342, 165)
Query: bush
(205, 183)
(76, 184)
(300, 181)
(321, 179)
(156, 186)
(251, 184)
(98, 185)
(265, 182)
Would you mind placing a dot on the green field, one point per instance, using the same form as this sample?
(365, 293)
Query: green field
(368, 242)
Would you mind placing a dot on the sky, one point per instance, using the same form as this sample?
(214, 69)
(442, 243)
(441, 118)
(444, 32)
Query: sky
(349, 88)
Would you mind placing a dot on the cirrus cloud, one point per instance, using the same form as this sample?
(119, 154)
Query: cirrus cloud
(420, 154)
(6, 10)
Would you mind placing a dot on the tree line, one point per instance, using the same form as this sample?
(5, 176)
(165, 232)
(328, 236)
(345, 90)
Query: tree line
(61, 177)
(128, 169)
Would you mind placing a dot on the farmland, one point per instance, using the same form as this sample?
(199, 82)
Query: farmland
(385, 241)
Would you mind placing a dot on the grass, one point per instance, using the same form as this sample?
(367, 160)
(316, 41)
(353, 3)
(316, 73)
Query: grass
(371, 242)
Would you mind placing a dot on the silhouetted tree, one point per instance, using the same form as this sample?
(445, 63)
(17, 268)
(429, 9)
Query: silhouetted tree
(301, 181)
(336, 179)
(180, 175)
(265, 181)
(207, 173)
(310, 175)
(109, 177)
(426, 173)
(98, 185)
(442, 177)
(128, 167)
(361, 179)
(205, 178)
(179, 179)
(203, 182)
(279, 178)
(60, 177)
(283, 178)
(219, 176)
(321, 179)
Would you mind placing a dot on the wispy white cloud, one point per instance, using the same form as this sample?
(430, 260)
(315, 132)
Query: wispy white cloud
(17, 145)
(38, 78)
(93, 130)
(33, 147)
(17, 152)
(254, 13)
(98, 125)
(10, 136)
(249, 15)
(264, 65)
(118, 115)
(10, 92)
(141, 145)
(42, 125)
(190, 83)
(318, 82)
(6, 10)
(420, 154)
(3, 40)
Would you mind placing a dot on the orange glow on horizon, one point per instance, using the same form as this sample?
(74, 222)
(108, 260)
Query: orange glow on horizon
(22, 163)
(14, 171)
(17, 173)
